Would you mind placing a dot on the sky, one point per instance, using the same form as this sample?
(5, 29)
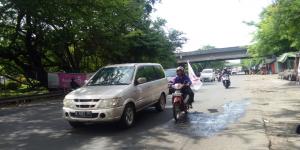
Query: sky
(211, 22)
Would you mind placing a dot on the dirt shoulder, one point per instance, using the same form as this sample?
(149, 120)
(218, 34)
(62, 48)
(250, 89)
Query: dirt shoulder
(279, 104)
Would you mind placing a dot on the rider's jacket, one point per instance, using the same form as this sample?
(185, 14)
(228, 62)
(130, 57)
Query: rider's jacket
(225, 72)
(183, 80)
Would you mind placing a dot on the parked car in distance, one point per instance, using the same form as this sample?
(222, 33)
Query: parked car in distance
(208, 75)
(234, 71)
(241, 72)
(117, 93)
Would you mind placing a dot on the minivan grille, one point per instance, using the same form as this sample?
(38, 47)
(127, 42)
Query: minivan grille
(85, 106)
(86, 100)
(92, 103)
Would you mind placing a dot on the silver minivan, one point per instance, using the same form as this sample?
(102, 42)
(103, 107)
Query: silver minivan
(116, 93)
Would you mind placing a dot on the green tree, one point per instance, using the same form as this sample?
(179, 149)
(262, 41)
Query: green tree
(278, 30)
(207, 47)
(37, 37)
(248, 63)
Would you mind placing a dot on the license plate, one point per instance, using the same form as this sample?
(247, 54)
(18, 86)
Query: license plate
(83, 114)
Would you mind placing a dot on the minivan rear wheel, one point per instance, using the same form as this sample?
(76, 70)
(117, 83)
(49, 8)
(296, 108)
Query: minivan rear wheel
(161, 104)
(128, 116)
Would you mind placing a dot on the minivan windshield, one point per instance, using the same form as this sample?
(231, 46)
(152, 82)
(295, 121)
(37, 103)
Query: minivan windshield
(113, 76)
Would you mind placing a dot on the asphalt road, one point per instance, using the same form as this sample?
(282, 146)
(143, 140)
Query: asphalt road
(216, 109)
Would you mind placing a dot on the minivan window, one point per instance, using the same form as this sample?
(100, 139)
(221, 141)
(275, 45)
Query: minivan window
(159, 73)
(113, 76)
(147, 72)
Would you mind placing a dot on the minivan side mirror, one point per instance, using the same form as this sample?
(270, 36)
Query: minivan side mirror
(141, 80)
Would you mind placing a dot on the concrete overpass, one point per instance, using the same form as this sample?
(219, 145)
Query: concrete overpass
(227, 53)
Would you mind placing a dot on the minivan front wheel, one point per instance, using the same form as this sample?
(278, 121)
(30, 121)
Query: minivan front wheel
(128, 116)
(161, 104)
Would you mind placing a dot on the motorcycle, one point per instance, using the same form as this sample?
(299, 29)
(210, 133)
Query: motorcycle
(179, 102)
(226, 81)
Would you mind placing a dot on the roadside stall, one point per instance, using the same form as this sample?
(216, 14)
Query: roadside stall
(271, 65)
(286, 61)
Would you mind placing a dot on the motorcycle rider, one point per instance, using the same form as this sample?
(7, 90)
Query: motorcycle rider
(184, 79)
(225, 71)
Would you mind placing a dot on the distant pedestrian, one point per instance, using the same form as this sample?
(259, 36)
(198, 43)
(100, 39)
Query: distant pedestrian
(73, 84)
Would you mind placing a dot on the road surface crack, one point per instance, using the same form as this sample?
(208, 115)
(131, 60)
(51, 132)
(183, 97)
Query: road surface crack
(266, 133)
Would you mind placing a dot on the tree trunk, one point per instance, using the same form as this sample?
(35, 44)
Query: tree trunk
(34, 57)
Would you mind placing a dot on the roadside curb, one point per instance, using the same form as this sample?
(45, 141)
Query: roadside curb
(29, 98)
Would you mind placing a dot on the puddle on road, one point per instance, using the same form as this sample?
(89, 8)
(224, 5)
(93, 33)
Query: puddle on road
(205, 125)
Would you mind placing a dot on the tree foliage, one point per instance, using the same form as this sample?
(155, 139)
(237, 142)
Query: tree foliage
(207, 47)
(37, 37)
(248, 63)
(278, 30)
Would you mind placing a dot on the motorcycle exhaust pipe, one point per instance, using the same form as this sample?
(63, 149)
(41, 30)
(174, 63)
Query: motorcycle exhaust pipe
(186, 99)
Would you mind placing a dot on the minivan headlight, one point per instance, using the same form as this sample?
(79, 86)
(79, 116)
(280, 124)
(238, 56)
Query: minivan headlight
(69, 103)
(110, 103)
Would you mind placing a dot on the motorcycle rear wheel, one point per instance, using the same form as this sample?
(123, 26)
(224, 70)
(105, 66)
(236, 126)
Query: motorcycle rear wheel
(176, 112)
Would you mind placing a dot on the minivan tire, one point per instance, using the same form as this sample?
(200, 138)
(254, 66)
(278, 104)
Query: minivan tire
(76, 124)
(128, 116)
(161, 104)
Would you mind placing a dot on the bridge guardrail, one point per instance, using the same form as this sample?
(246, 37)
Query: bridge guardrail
(29, 98)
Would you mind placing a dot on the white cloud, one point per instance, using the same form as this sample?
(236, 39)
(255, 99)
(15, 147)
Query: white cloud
(215, 22)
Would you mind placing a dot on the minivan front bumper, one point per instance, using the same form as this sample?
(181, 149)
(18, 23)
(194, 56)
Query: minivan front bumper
(98, 115)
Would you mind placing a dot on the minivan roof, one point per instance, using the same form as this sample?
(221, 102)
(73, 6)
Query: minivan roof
(132, 64)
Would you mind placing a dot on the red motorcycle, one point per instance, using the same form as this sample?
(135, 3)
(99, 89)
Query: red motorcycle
(180, 103)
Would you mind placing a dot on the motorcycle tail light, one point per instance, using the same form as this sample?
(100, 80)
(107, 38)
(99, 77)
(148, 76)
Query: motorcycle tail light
(177, 99)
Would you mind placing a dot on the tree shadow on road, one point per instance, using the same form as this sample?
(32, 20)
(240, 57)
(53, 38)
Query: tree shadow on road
(41, 126)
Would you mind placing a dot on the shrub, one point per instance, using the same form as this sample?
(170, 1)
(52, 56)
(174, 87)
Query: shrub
(1, 86)
(13, 85)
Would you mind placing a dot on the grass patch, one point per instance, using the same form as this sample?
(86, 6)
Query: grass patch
(22, 92)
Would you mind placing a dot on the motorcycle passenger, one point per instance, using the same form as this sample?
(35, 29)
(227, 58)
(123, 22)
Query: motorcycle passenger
(184, 79)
